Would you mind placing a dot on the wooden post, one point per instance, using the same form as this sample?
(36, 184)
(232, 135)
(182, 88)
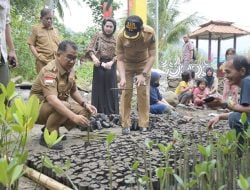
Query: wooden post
(44, 180)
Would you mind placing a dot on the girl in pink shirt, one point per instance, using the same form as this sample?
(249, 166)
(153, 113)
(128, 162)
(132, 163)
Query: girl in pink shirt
(200, 92)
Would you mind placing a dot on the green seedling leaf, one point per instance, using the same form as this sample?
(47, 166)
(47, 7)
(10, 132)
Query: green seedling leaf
(20, 106)
(16, 173)
(33, 107)
(231, 136)
(3, 89)
(247, 132)
(191, 183)
(51, 138)
(209, 150)
(12, 165)
(24, 140)
(169, 170)
(59, 139)
(2, 109)
(161, 147)
(2, 98)
(212, 164)
(201, 168)
(222, 187)
(202, 173)
(159, 172)
(129, 179)
(10, 90)
(180, 181)
(149, 144)
(18, 118)
(205, 151)
(135, 165)
(67, 164)
(110, 138)
(243, 118)
(164, 149)
(22, 157)
(18, 128)
(176, 136)
(9, 114)
(47, 162)
(3, 168)
(143, 180)
(14, 95)
(58, 169)
(29, 124)
(202, 150)
(242, 182)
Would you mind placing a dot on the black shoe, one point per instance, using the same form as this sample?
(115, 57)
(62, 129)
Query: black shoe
(57, 146)
(64, 137)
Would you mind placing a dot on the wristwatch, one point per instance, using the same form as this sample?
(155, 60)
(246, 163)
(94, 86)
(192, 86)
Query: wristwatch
(224, 105)
(144, 74)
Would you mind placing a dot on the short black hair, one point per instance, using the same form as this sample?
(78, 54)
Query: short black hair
(228, 50)
(192, 73)
(201, 80)
(64, 44)
(185, 76)
(239, 62)
(45, 11)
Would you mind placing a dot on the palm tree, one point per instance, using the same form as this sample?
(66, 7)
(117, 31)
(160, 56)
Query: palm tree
(58, 5)
(170, 30)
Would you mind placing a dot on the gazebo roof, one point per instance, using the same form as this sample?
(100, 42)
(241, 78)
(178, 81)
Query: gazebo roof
(218, 29)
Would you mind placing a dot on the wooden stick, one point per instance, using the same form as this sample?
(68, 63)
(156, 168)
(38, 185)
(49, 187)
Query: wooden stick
(44, 180)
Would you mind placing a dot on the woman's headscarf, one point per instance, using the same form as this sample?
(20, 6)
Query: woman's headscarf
(154, 77)
(210, 79)
(105, 21)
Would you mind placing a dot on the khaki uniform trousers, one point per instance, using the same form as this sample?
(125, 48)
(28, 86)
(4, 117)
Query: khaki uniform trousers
(4, 71)
(52, 120)
(142, 97)
(39, 65)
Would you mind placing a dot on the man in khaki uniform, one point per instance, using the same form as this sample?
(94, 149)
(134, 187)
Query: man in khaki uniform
(53, 86)
(44, 39)
(135, 51)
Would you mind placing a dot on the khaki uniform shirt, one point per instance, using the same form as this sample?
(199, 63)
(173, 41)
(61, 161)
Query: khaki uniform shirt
(54, 80)
(136, 51)
(45, 41)
(4, 19)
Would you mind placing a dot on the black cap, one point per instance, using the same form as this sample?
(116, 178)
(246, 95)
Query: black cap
(133, 25)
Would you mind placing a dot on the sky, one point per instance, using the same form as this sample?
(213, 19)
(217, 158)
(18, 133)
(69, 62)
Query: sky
(234, 11)
(222, 10)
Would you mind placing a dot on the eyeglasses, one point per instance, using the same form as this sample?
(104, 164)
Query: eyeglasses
(71, 58)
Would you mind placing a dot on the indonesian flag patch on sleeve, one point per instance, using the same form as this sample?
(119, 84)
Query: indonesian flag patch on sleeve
(49, 80)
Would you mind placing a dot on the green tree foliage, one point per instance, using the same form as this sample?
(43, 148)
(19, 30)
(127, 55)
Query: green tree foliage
(23, 16)
(21, 21)
(96, 7)
(171, 27)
